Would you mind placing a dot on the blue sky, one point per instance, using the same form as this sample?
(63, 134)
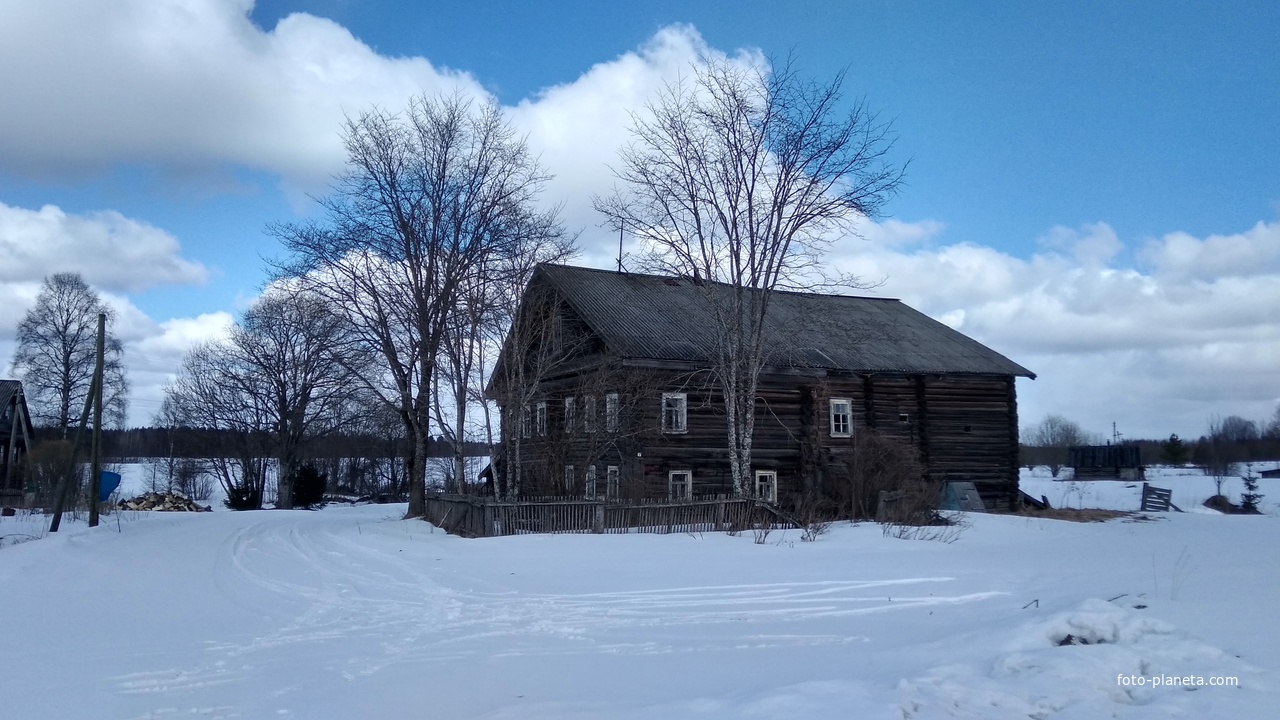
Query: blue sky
(1094, 188)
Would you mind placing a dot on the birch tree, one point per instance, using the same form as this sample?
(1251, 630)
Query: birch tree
(56, 347)
(740, 176)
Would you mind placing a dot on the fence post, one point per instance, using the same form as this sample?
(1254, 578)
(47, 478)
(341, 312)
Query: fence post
(598, 525)
(487, 530)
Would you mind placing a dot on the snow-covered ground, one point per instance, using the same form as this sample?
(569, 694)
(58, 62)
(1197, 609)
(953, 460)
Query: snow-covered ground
(354, 613)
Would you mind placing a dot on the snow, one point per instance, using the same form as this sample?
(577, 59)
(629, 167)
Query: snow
(350, 612)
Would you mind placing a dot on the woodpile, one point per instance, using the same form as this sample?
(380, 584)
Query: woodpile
(163, 502)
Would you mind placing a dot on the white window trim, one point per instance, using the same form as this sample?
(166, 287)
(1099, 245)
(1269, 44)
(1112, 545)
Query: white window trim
(611, 412)
(671, 485)
(682, 426)
(771, 477)
(831, 417)
(526, 422)
(568, 479)
(570, 414)
(612, 484)
(591, 481)
(540, 418)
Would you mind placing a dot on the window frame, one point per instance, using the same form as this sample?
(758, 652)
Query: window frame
(687, 484)
(540, 418)
(591, 481)
(611, 412)
(770, 477)
(526, 421)
(569, 479)
(847, 415)
(682, 426)
(570, 414)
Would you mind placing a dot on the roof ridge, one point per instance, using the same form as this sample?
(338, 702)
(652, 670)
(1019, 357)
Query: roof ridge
(654, 276)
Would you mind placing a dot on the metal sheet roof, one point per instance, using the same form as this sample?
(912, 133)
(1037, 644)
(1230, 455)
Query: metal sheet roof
(664, 318)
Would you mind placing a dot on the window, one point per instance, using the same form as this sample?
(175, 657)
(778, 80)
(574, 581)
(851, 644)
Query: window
(541, 418)
(680, 485)
(674, 412)
(767, 486)
(570, 414)
(591, 481)
(611, 481)
(589, 413)
(841, 417)
(611, 412)
(524, 421)
(568, 479)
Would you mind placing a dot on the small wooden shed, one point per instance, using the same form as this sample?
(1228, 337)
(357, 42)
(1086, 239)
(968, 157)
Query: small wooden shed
(1106, 462)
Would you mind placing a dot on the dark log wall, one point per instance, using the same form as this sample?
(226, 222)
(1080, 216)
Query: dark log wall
(965, 428)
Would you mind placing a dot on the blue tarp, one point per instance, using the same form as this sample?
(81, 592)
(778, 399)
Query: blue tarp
(107, 484)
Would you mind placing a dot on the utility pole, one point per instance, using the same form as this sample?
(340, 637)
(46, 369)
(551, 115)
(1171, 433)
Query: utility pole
(64, 484)
(95, 467)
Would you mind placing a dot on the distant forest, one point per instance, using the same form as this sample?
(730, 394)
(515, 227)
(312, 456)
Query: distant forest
(153, 442)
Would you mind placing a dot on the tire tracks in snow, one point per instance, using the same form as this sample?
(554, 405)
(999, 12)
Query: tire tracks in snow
(353, 603)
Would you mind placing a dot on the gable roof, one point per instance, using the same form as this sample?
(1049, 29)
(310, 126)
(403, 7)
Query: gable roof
(9, 389)
(664, 318)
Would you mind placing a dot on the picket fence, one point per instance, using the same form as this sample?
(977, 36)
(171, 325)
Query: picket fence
(472, 516)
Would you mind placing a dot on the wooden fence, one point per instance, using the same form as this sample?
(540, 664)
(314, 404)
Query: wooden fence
(471, 516)
(1156, 499)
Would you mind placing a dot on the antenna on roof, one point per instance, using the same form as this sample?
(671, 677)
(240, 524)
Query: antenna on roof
(620, 226)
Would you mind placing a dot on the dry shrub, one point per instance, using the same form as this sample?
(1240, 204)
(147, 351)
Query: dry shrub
(46, 464)
(879, 463)
(814, 514)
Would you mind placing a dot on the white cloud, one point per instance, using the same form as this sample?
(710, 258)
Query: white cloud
(188, 85)
(154, 353)
(1248, 254)
(110, 250)
(577, 128)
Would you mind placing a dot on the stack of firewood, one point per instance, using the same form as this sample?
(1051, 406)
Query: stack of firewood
(164, 502)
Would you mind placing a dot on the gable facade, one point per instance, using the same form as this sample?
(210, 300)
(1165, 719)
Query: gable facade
(15, 440)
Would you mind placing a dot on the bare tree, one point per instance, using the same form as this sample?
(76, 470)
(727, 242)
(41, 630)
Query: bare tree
(506, 292)
(56, 351)
(741, 177)
(209, 393)
(1058, 431)
(427, 195)
(1055, 434)
(276, 380)
(1272, 431)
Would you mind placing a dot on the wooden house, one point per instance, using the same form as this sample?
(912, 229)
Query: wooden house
(604, 390)
(15, 441)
